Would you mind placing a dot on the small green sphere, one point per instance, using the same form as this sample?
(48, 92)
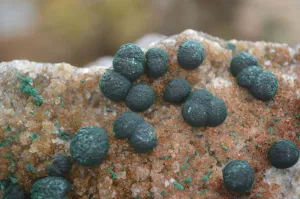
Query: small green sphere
(190, 54)
(140, 97)
(216, 112)
(157, 62)
(238, 176)
(283, 154)
(247, 76)
(194, 113)
(125, 124)
(241, 61)
(14, 192)
(177, 90)
(114, 86)
(200, 96)
(129, 61)
(60, 166)
(50, 188)
(265, 86)
(143, 140)
(89, 146)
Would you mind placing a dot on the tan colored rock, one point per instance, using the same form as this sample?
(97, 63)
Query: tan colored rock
(72, 100)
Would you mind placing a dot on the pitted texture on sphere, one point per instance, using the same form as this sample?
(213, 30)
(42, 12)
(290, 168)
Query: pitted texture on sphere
(247, 76)
(114, 86)
(190, 54)
(14, 192)
(129, 61)
(265, 86)
(140, 97)
(144, 138)
(157, 62)
(201, 96)
(283, 154)
(216, 112)
(238, 176)
(60, 166)
(50, 188)
(89, 146)
(194, 113)
(126, 123)
(177, 90)
(241, 61)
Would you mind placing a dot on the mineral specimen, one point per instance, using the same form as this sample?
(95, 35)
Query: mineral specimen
(238, 176)
(143, 139)
(60, 166)
(190, 54)
(72, 100)
(283, 154)
(177, 90)
(156, 62)
(241, 61)
(140, 97)
(114, 86)
(50, 188)
(129, 61)
(89, 146)
(125, 124)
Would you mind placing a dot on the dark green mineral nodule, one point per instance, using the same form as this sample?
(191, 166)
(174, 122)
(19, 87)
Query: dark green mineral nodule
(238, 176)
(283, 154)
(247, 76)
(216, 112)
(194, 113)
(14, 192)
(143, 140)
(60, 166)
(129, 61)
(265, 86)
(140, 97)
(125, 124)
(114, 86)
(177, 90)
(241, 61)
(51, 188)
(157, 62)
(201, 96)
(190, 54)
(89, 146)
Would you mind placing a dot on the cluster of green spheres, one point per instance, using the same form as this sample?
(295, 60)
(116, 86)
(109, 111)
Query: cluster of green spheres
(141, 134)
(262, 84)
(203, 109)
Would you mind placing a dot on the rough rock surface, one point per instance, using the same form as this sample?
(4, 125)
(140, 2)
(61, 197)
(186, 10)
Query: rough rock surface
(31, 135)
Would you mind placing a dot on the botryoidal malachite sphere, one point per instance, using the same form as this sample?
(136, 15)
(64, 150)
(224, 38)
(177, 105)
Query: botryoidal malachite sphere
(241, 61)
(247, 76)
(156, 62)
(238, 176)
(140, 98)
(129, 61)
(190, 54)
(125, 124)
(144, 139)
(203, 109)
(51, 188)
(177, 90)
(114, 86)
(14, 192)
(89, 146)
(283, 154)
(60, 166)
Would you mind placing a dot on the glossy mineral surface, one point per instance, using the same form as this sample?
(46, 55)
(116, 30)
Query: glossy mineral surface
(72, 100)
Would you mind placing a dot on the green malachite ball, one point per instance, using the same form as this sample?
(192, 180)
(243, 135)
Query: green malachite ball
(238, 176)
(241, 61)
(157, 62)
(89, 146)
(61, 165)
(283, 154)
(129, 61)
(177, 90)
(14, 192)
(190, 54)
(247, 76)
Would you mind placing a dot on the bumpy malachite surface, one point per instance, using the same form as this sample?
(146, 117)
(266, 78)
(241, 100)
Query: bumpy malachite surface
(177, 90)
(241, 61)
(190, 54)
(156, 62)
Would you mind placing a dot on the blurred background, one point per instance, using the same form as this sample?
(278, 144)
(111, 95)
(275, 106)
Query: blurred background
(81, 31)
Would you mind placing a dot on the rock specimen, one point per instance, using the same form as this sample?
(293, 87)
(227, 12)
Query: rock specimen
(30, 135)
